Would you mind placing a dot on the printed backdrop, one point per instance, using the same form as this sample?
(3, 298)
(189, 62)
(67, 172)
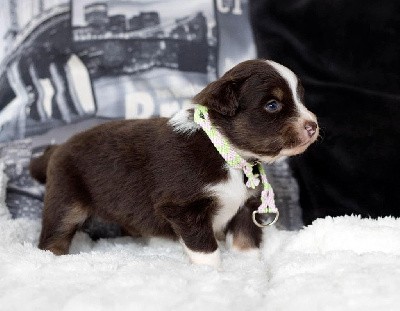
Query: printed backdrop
(68, 65)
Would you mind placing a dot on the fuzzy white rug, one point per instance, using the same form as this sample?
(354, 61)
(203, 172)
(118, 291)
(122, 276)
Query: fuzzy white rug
(343, 263)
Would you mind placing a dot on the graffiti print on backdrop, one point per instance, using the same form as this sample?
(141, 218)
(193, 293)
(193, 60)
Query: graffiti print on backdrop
(36, 90)
(145, 58)
(151, 64)
(235, 36)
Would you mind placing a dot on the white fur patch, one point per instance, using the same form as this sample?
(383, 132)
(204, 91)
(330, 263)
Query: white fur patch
(199, 258)
(293, 81)
(231, 194)
(181, 122)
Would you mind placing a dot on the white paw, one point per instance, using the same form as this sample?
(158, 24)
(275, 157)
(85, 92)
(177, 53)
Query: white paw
(199, 258)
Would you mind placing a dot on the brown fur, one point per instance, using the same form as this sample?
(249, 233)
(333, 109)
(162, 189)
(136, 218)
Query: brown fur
(246, 235)
(38, 166)
(152, 179)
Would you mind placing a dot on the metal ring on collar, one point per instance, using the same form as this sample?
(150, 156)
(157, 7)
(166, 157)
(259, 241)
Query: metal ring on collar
(267, 224)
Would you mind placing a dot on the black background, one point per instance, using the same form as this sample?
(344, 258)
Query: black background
(347, 54)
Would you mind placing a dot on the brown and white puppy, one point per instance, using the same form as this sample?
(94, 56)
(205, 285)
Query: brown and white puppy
(164, 177)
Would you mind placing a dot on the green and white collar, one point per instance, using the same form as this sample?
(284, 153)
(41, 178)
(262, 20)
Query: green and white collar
(234, 160)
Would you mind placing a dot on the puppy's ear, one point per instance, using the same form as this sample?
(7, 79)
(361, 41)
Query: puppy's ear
(220, 95)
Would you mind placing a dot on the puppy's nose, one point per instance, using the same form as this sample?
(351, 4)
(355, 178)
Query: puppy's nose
(311, 127)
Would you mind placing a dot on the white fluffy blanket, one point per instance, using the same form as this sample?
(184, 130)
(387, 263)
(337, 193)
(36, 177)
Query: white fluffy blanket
(344, 263)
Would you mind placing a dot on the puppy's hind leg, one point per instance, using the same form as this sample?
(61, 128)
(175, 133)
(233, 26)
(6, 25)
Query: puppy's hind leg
(60, 225)
(242, 235)
(65, 210)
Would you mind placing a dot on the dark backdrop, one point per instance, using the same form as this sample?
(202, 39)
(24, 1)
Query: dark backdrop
(347, 54)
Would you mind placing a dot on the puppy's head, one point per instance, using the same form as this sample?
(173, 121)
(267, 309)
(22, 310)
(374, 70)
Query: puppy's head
(258, 106)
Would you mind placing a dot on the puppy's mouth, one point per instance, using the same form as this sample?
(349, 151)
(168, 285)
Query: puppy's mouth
(295, 150)
(305, 144)
(297, 142)
(300, 147)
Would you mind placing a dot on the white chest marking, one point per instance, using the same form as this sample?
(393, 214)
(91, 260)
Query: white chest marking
(231, 194)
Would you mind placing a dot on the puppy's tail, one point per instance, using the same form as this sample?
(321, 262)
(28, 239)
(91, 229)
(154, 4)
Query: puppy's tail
(38, 166)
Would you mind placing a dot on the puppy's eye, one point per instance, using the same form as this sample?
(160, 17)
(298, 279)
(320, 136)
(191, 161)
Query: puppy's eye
(273, 106)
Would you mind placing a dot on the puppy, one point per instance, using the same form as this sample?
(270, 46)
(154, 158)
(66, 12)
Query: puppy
(164, 177)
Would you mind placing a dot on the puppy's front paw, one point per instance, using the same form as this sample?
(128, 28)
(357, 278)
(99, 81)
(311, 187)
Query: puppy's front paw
(212, 259)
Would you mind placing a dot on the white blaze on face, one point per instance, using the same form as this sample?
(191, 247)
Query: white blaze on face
(305, 114)
(293, 82)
